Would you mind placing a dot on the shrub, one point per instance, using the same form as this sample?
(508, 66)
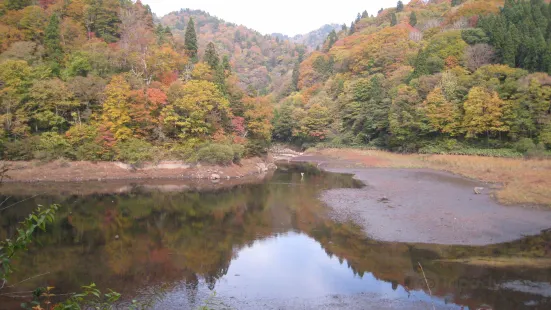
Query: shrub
(256, 147)
(537, 152)
(524, 145)
(221, 154)
(238, 152)
(134, 151)
(53, 146)
(183, 152)
(90, 151)
(21, 149)
(81, 134)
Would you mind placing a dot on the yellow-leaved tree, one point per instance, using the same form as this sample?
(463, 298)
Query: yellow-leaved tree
(443, 115)
(116, 108)
(484, 112)
(197, 110)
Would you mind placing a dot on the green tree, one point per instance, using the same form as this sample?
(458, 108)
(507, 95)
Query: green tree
(406, 120)
(393, 19)
(284, 123)
(102, 18)
(16, 78)
(413, 19)
(226, 63)
(296, 73)
(331, 39)
(190, 40)
(456, 2)
(400, 6)
(50, 105)
(365, 114)
(364, 14)
(314, 126)
(352, 28)
(211, 56)
(52, 40)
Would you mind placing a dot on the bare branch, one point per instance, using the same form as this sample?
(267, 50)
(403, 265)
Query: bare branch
(30, 278)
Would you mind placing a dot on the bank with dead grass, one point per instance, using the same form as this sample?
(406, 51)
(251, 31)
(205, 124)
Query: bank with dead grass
(516, 181)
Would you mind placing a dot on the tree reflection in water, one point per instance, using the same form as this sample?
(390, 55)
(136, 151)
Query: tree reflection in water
(189, 240)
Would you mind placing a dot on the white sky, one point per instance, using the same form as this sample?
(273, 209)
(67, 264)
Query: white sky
(289, 17)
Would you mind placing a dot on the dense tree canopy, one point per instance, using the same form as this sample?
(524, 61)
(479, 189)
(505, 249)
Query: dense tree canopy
(447, 85)
(98, 80)
(101, 80)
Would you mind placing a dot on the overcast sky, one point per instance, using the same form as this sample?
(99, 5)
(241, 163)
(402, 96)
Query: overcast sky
(285, 16)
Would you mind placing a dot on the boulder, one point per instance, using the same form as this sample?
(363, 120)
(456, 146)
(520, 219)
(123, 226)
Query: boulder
(215, 176)
(262, 167)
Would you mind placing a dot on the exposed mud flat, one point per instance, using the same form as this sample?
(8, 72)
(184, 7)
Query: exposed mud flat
(66, 171)
(425, 206)
(124, 186)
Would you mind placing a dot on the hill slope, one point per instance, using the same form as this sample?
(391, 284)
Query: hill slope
(312, 39)
(431, 76)
(263, 63)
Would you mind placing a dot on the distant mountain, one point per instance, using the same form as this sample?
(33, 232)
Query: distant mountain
(312, 39)
(262, 62)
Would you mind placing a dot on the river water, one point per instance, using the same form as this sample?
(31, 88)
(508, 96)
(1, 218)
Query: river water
(269, 245)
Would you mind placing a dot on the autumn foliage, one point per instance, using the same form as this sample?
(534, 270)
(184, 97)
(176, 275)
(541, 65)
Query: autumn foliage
(424, 78)
(99, 80)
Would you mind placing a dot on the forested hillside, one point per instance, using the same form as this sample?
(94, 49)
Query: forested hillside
(263, 63)
(430, 76)
(105, 80)
(98, 80)
(313, 39)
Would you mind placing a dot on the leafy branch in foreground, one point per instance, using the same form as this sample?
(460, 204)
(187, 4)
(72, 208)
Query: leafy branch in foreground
(9, 248)
(90, 298)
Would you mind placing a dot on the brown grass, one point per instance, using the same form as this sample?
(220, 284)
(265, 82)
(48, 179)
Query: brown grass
(524, 181)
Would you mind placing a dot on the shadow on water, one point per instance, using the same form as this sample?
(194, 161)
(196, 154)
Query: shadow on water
(271, 241)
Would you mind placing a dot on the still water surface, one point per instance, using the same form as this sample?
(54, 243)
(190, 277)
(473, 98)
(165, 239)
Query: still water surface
(266, 245)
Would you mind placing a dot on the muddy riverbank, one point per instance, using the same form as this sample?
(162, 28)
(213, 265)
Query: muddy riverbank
(66, 171)
(426, 206)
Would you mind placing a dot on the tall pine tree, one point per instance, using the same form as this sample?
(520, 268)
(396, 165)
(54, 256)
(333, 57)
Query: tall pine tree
(190, 40)
(413, 19)
(52, 39)
(331, 39)
(211, 56)
(400, 6)
(294, 82)
(352, 28)
(393, 19)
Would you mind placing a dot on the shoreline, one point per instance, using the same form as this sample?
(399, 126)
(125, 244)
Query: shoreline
(21, 172)
(424, 205)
